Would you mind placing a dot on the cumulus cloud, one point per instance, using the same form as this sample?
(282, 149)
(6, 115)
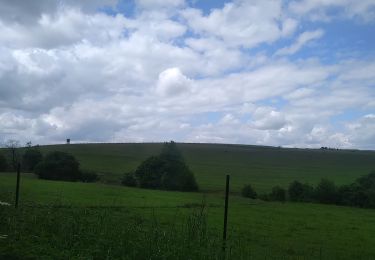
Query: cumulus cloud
(261, 25)
(169, 71)
(268, 119)
(172, 82)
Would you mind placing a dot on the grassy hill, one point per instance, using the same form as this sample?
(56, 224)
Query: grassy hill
(65, 220)
(263, 167)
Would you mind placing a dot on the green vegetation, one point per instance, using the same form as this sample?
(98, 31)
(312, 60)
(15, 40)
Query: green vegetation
(277, 194)
(166, 171)
(263, 167)
(3, 163)
(58, 166)
(248, 192)
(75, 220)
(30, 158)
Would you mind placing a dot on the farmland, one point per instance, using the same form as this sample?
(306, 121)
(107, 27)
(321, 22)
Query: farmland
(106, 220)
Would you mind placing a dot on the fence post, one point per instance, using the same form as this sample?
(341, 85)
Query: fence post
(18, 184)
(226, 214)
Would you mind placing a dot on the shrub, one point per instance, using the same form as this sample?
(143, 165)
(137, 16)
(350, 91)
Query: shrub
(89, 176)
(248, 192)
(166, 171)
(3, 163)
(300, 192)
(277, 194)
(177, 176)
(129, 179)
(31, 158)
(367, 181)
(149, 172)
(58, 166)
(325, 192)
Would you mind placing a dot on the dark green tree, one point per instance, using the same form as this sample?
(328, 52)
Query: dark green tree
(31, 158)
(248, 192)
(129, 179)
(149, 172)
(326, 192)
(166, 171)
(277, 194)
(58, 166)
(300, 192)
(3, 163)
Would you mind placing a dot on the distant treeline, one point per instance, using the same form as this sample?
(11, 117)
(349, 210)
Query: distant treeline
(360, 193)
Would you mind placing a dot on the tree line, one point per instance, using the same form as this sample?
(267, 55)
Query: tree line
(360, 193)
(166, 171)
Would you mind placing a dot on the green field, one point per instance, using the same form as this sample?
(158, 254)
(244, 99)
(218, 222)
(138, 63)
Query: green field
(263, 167)
(105, 221)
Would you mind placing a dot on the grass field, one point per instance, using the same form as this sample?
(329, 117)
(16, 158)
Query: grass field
(64, 220)
(263, 167)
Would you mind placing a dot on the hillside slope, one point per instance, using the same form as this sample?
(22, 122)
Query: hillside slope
(261, 166)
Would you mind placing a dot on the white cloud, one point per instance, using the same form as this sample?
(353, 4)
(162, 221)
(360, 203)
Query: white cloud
(302, 40)
(268, 119)
(172, 82)
(261, 23)
(69, 71)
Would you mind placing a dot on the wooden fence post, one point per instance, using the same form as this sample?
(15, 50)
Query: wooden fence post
(18, 184)
(226, 214)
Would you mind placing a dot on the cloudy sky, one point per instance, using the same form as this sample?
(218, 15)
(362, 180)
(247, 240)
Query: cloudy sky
(268, 72)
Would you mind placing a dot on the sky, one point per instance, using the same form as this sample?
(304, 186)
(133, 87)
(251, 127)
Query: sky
(263, 72)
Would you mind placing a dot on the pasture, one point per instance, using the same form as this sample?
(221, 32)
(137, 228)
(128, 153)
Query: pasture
(107, 221)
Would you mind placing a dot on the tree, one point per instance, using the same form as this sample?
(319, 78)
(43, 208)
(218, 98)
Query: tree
(31, 158)
(277, 194)
(248, 192)
(300, 192)
(12, 146)
(88, 176)
(177, 176)
(166, 171)
(58, 166)
(3, 163)
(149, 172)
(129, 179)
(326, 192)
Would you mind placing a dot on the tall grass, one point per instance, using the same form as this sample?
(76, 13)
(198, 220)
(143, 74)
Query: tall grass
(63, 232)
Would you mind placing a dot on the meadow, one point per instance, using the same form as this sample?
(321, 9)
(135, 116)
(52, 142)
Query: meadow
(64, 220)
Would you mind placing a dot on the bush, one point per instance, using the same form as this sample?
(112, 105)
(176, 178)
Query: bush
(31, 158)
(325, 192)
(58, 166)
(358, 194)
(166, 171)
(248, 192)
(89, 176)
(277, 194)
(177, 176)
(300, 192)
(3, 163)
(129, 179)
(149, 172)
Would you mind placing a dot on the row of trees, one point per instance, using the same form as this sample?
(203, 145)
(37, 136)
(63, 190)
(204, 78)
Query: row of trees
(54, 166)
(166, 171)
(63, 166)
(29, 159)
(361, 193)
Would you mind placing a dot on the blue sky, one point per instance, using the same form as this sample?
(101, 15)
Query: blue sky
(283, 73)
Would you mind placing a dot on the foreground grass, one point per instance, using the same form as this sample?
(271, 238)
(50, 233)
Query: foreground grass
(263, 167)
(97, 221)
